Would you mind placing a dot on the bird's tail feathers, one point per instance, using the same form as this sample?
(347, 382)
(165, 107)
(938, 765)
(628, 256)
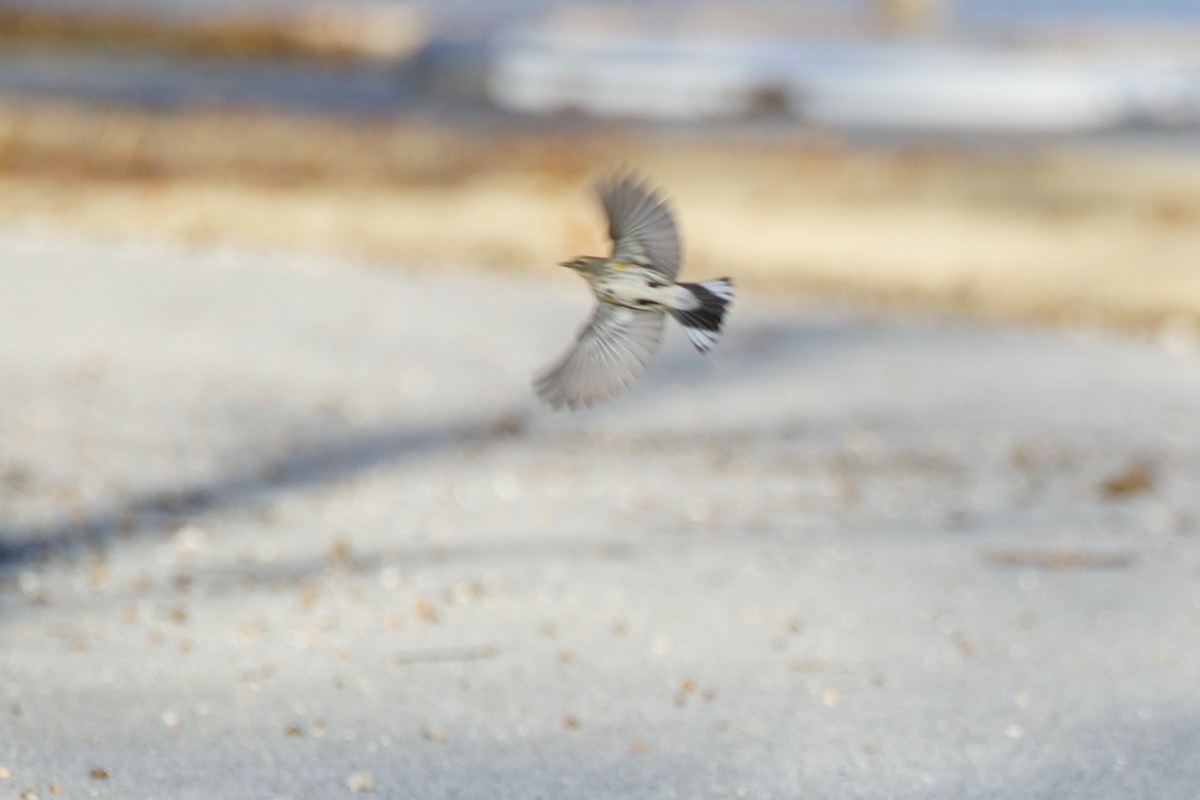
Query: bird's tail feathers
(702, 323)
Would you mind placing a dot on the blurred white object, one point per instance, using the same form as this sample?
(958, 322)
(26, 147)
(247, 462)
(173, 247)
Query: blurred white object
(626, 76)
(862, 84)
(950, 88)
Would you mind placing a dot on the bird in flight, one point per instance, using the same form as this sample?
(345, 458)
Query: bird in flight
(636, 289)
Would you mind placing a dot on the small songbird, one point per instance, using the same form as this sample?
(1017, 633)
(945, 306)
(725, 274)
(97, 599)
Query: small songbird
(636, 289)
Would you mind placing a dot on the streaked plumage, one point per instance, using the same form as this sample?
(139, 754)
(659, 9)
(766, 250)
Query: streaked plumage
(635, 288)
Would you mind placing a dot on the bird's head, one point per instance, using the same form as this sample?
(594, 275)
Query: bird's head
(583, 263)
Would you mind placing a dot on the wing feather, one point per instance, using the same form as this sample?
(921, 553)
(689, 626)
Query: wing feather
(640, 224)
(610, 353)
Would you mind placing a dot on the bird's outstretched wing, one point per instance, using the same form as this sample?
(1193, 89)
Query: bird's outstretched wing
(610, 353)
(639, 223)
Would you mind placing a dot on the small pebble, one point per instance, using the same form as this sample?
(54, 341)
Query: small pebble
(361, 782)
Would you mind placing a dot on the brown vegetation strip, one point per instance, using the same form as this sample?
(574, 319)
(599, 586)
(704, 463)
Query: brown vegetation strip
(1057, 559)
(331, 32)
(1051, 233)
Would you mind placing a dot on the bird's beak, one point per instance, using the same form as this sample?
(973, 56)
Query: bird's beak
(567, 264)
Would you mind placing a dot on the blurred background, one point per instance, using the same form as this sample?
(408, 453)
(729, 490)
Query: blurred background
(1014, 159)
(281, 517)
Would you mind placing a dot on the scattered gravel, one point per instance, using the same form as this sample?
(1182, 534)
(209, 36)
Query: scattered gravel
(275, 527)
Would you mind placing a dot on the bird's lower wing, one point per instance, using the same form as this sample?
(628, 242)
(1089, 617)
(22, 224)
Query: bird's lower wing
(610, 353)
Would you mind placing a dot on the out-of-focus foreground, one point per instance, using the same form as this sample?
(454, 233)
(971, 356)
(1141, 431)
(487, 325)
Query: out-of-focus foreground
(294, 528)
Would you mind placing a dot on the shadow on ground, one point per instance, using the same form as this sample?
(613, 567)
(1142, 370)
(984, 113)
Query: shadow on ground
(314, 464)
(752, 352)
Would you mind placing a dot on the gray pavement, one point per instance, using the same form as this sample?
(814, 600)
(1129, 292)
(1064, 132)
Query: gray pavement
(282, 527)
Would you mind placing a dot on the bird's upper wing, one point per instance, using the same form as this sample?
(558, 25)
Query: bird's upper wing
(609, 354)
(639, 223)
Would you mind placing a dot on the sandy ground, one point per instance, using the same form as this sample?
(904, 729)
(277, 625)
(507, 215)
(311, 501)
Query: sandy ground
(1104, 234)
(284, 527)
